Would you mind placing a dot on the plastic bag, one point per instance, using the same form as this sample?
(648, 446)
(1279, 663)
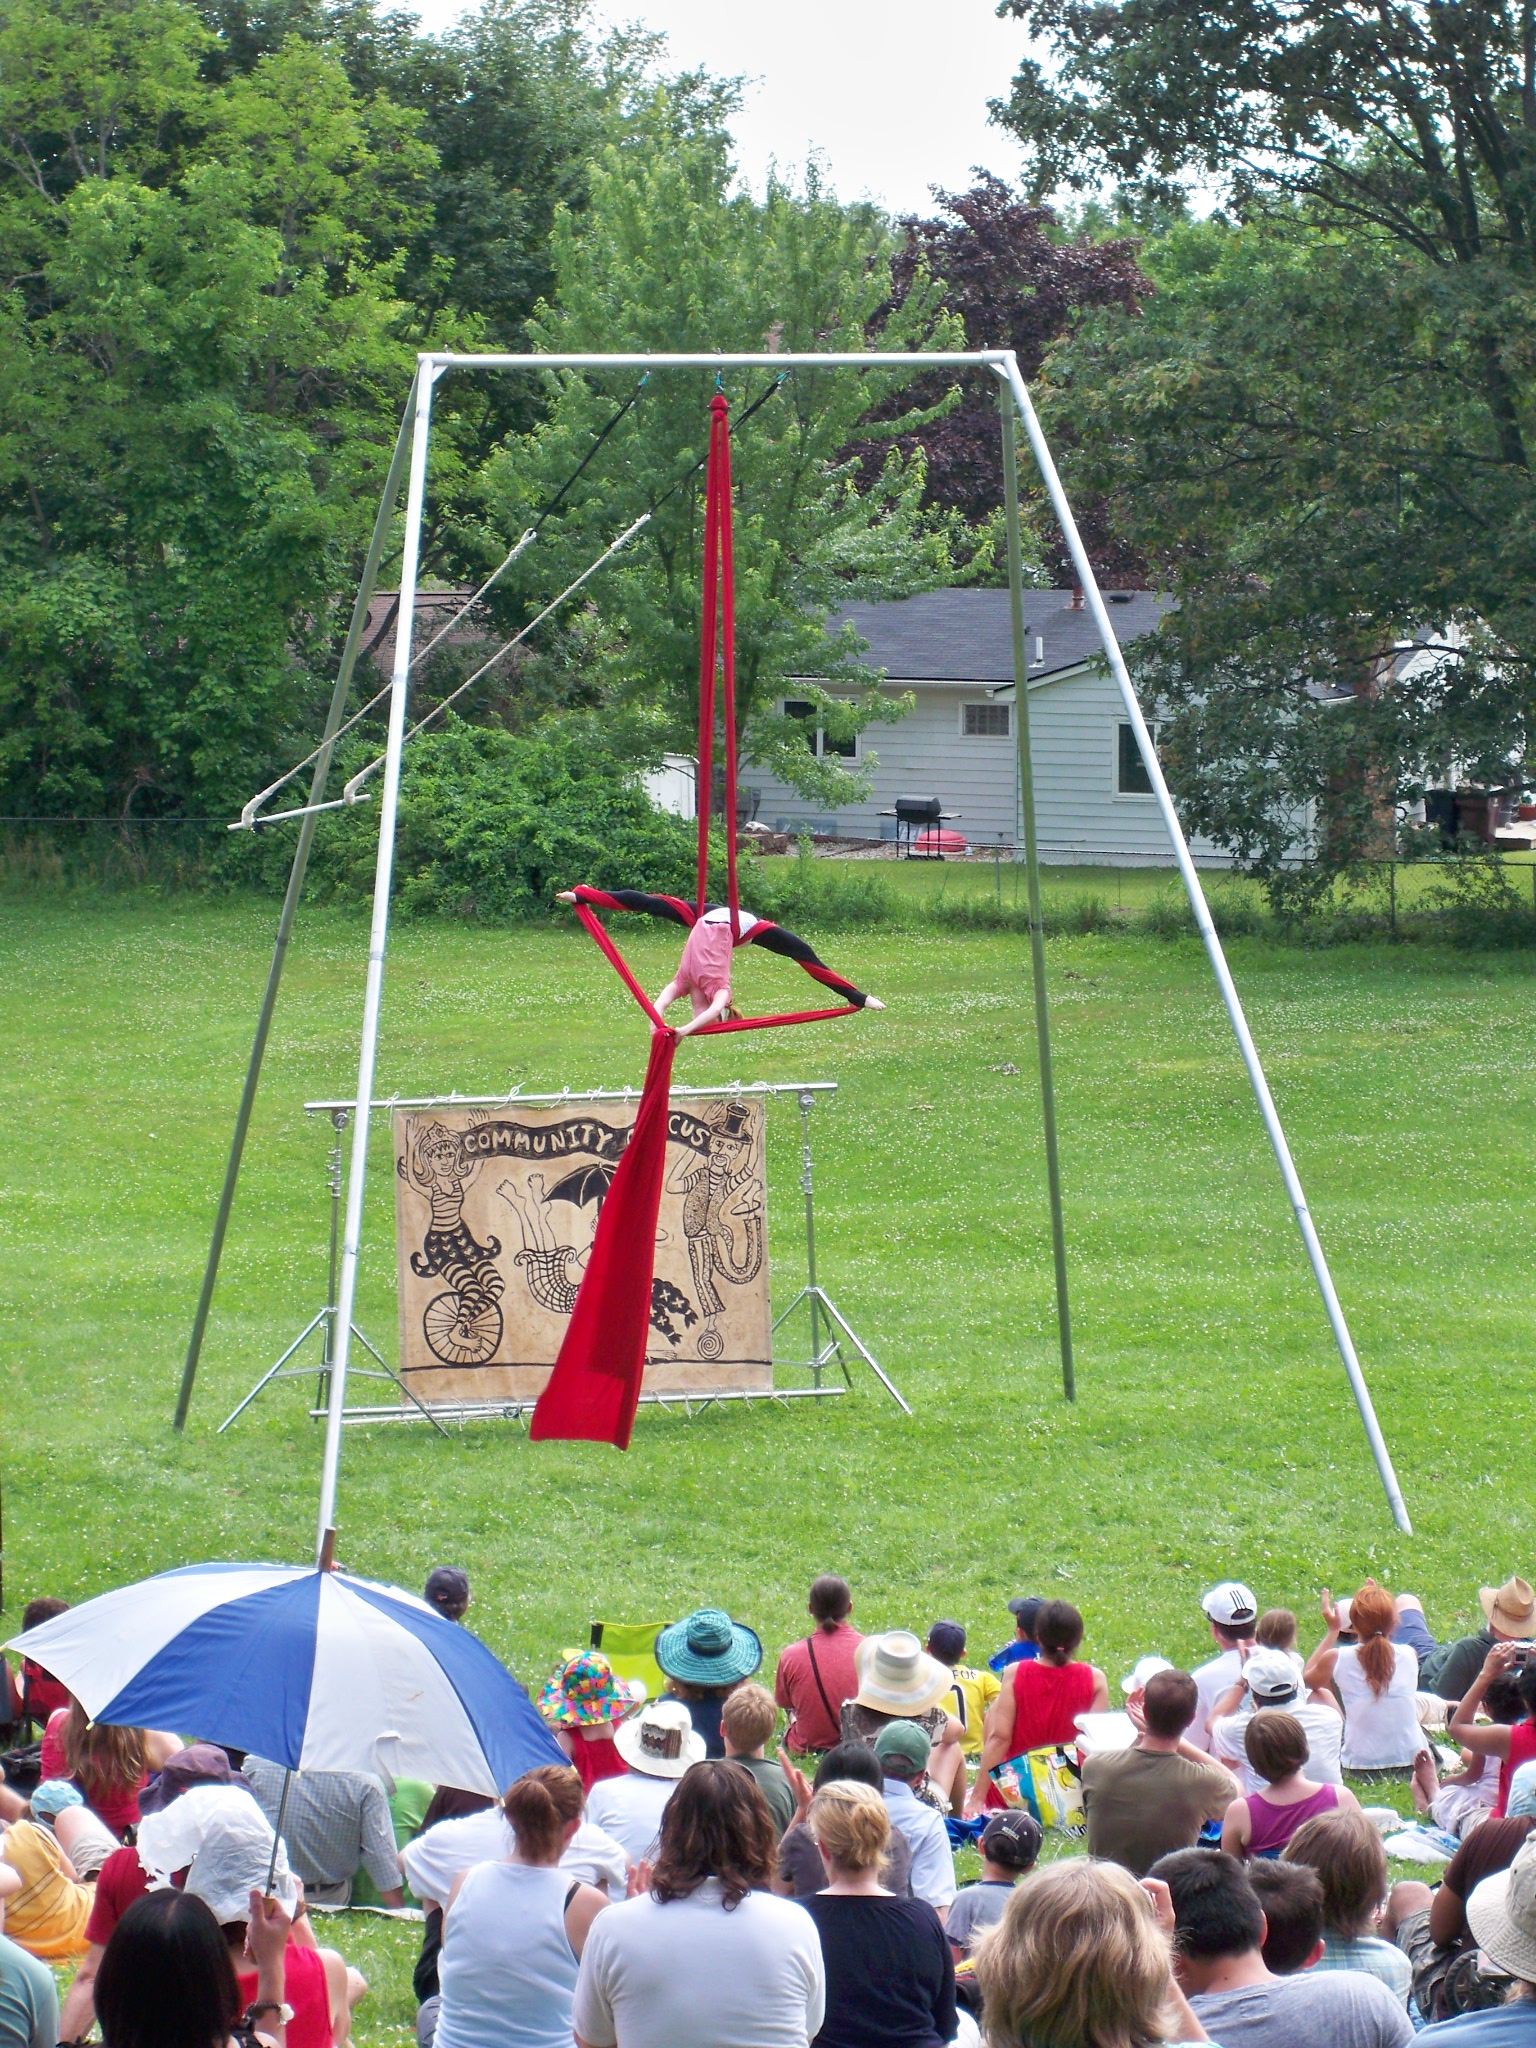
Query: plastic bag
(1047, 1783)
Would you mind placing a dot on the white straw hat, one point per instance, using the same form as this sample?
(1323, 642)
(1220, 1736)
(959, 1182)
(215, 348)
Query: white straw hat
(660, 1741)
(1502, 1916)
(897, 1676)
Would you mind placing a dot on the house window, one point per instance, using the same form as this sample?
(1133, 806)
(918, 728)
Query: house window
(1131, 777)
(820, 745)
(986, 721)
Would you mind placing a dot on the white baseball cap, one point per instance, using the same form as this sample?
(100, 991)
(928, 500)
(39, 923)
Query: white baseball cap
(1272, 1675)
(1230, 1604)
(1146, 1667)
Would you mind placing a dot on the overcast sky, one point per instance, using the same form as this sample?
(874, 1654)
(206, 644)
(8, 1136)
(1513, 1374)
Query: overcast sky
(893, 93)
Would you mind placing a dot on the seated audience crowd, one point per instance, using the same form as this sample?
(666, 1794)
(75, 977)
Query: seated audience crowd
(698, 1876)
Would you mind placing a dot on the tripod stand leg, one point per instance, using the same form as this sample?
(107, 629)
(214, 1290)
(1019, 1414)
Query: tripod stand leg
(408, 1392)
(835, 1315)
(273, 1370)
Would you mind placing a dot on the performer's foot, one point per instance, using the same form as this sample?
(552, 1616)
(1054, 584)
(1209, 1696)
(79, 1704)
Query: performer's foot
(873, 1003)
(566, 896)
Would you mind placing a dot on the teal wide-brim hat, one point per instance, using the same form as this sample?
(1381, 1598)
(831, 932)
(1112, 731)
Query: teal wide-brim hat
(708, 1649)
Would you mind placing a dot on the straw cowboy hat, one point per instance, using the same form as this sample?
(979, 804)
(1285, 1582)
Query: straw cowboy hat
(660, 1741)
(1511, 1609)
(1502, 1916)
(897, 1676)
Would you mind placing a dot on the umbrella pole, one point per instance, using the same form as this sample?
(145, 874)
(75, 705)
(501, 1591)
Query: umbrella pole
(277, 1832)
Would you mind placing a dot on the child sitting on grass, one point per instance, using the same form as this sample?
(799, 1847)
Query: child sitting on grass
(1009, 1845)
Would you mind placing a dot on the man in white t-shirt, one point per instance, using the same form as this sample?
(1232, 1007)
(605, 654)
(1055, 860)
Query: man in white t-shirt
(1233, 1614)
(658, 1744)
(1269, 1679)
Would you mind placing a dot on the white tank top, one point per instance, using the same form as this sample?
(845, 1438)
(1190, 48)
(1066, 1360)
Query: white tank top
(1381, 1732)
(507, 1971)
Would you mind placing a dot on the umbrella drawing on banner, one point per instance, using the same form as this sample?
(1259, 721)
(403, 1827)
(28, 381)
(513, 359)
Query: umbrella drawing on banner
(586, 1184)
(313, 1669)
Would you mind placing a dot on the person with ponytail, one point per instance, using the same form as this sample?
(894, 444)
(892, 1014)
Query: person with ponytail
(1377, 1683)
(890, 1974)
(818, 1673)
(514, 1932)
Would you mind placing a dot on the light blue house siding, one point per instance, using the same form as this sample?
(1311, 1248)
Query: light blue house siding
(952, 651)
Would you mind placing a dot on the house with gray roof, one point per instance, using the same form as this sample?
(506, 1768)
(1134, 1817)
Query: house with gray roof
(953, 650)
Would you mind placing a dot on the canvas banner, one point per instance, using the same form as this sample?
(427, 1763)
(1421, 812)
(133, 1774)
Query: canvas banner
(494, 1216)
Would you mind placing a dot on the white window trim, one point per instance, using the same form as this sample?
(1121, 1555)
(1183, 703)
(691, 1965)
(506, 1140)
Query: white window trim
(821, 751)
(1117, 794)
(980, 704)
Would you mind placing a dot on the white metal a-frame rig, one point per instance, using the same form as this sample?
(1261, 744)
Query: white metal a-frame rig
(413, 444)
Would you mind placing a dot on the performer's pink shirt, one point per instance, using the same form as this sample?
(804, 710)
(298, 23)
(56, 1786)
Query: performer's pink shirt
(705, 967)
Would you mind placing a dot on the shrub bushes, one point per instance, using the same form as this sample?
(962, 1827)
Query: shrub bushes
(493, 823)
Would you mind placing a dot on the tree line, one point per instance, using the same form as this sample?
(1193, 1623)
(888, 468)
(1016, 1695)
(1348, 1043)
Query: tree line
(1301, 405)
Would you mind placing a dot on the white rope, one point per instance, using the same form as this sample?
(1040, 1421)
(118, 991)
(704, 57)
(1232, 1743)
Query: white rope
(248, 819)
(350, 794)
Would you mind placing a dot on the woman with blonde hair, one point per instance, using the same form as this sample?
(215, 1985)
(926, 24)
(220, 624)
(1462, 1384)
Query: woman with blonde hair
(890, 1974)
(513, 1932)
(1377, 1682)
(1082, 1958)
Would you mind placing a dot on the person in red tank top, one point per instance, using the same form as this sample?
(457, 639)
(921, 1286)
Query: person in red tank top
(1513, 1746)
(584, 1701)
(1039, 1708)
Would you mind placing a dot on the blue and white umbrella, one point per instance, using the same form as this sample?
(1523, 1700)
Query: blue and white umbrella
(313, 1669)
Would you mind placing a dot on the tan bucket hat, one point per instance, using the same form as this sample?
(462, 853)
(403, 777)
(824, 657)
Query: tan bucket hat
(897, 1676)
(1511, 1609)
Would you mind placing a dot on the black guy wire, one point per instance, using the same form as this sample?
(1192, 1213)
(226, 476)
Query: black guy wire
(736, 426)
(632, 400)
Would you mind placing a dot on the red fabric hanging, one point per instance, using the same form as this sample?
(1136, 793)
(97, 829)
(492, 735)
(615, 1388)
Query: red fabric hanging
(595, 1387)
(717, 650)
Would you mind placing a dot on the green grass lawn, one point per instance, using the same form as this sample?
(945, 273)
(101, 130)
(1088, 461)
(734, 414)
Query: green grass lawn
(1213, 1432)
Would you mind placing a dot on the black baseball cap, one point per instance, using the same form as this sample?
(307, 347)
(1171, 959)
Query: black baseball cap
(1025, 1608)
(447, 1589)
(1012, 1839)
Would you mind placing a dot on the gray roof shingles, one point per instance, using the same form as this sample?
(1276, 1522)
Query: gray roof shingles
(964, 636)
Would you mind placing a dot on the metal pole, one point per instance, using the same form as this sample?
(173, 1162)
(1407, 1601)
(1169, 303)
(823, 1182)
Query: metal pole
(1032, 867)
(383, 875)
(333, 1182)
(1218, 959)
(807, 1103)
(277, 1833)
(349, 654)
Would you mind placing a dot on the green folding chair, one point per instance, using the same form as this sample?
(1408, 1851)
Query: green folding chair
(630, 1647)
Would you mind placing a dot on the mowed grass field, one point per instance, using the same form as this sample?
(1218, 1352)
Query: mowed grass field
(1213, 1432)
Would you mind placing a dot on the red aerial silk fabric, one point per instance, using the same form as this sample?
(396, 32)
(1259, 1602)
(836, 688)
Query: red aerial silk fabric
(595, 1387)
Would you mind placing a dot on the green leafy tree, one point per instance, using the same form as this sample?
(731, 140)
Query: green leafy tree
(667, 255)
(199, 358)
(1319, 429)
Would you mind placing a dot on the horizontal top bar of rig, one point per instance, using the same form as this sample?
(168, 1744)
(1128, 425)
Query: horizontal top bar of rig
(867, 359)
(734, 1088)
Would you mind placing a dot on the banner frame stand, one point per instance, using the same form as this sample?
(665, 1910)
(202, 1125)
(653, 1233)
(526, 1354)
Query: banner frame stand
(324, 1319)
(692, 1403)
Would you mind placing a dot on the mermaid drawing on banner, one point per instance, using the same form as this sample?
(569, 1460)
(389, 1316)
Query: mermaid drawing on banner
(463, 1326)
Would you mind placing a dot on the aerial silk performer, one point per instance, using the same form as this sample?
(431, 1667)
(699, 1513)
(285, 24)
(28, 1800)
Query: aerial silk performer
(594, 1389)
